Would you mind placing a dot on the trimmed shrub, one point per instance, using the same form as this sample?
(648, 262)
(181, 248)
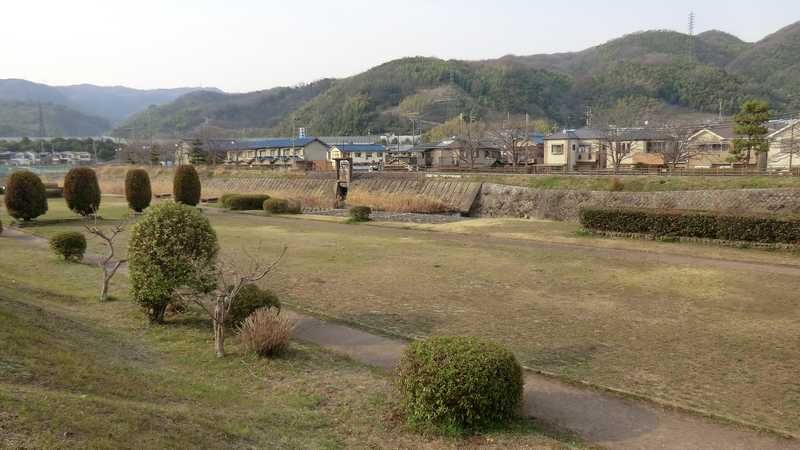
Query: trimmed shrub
(694, 224)
(71, 245)
(246, 202)
(25, 197)
(225, 199)
(249, 299)
(138, 192)
(360, 213)
(459, 383)
(265, 333)
(282, 206)
(167, 245)
(186, 186)
(82, 191)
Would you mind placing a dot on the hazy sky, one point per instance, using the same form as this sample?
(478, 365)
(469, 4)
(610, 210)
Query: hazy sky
(243, 45)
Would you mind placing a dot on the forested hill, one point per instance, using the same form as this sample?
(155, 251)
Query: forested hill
(654, 74)
(22, 119)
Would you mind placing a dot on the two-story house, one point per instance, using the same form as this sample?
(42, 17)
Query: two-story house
(363, 155)
(277, 152)
(575, 149)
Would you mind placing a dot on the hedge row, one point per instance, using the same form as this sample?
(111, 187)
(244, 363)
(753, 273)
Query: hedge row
(244, 202)
(694, 224)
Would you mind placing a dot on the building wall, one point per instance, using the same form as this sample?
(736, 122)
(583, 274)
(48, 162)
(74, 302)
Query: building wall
(551, 159)
(315, 151)
(784, 150)
(709, 158)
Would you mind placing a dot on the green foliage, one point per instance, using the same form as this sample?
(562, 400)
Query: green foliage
(18, 118)
(694, 224)
(138, 192)
(750, 126)
(459, 383)
(197, 154)
(70, 245)
(250, 298)
(82, 191)
(26, 196)
(281, 206)
(186, 186)
(360, 213)
(166, 247)
(244, 202)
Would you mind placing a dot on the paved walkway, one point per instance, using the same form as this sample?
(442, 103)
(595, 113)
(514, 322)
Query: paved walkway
(597, 417)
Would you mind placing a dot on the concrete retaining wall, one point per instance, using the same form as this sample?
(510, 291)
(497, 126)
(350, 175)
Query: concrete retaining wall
(496, 200)
(459, 196)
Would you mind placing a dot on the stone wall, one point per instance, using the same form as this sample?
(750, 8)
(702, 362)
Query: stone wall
(498, 200)
(460, 196)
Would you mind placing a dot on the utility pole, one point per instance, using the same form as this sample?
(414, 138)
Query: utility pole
(589, 116)
(691, 35)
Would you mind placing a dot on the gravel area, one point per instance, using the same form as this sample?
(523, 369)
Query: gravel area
(383, 216)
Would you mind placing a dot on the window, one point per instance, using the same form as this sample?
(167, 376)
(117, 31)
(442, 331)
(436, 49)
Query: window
(557, 149)
(656, 147)
(358, 155)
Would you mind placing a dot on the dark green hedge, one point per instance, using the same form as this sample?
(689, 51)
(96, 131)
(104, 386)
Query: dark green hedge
(138, 191)
(82, 191)
(695, 224)
(26, 195)
(360, 213)
(186, 186)
(281, 206)
(459, 383)
(244, 202)
(69, 245)
(249, 299)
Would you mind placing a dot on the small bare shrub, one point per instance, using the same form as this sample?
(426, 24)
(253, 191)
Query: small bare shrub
(265, 332)
(617, 185)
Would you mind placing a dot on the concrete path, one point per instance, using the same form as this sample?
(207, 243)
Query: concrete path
(597, 417)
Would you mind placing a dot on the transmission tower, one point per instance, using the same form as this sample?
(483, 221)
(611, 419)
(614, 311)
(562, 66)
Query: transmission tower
(42, 132)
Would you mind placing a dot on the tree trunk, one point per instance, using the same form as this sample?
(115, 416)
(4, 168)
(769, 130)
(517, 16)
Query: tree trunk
(219, 329)
(104, 286)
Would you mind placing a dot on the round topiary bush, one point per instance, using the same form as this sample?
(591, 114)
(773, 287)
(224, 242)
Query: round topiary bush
(71, 245)
(249, 299)
(137, 189)
(25, 196)
(459, 383)
(82, 191)
(248, 202)
(186, 186)
(167, 246)
(360, 213)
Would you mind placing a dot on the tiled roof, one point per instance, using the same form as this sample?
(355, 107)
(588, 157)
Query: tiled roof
(583, 133)
(347, 148)
(256, 144)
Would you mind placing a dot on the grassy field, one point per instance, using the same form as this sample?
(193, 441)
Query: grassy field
(75, 373)
(640, 183)
(694, 332)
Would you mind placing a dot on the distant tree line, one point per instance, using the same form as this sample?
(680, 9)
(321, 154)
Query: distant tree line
(106, 148)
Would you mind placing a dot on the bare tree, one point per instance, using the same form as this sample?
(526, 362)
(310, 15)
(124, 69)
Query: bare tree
(618, 147)
(107, 263)
(469, 142)
(512, 138)
(678, 149)
(227, 281)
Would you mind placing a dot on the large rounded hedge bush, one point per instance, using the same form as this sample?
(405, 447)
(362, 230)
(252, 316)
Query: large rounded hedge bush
(138, 192)
(281, 206)
(459, 383)
(69, 245)
(25, 196)
(82, 191)
(360, 213)
(167, 246)
(250, 298)
(186, 186)
(245, 202)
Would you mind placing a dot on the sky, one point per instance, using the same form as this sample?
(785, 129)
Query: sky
(246, 45)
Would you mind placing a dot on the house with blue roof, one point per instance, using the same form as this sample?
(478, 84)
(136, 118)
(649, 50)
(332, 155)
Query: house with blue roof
(363, 155)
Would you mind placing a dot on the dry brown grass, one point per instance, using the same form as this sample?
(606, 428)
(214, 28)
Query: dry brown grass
(398, 202)
(265, 332)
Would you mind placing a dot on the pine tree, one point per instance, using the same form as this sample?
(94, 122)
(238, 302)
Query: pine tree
(750, 126)
(197, 154)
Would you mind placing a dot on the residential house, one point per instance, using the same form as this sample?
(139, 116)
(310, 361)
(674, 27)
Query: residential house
(640, 147)
(363, 155)
(784, 147)
(403, 157)
(451, 153)
(711, 147)
(273, 152)
(576, 149)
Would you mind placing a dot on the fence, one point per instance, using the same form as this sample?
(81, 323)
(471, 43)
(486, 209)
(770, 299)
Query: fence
(678, 172)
